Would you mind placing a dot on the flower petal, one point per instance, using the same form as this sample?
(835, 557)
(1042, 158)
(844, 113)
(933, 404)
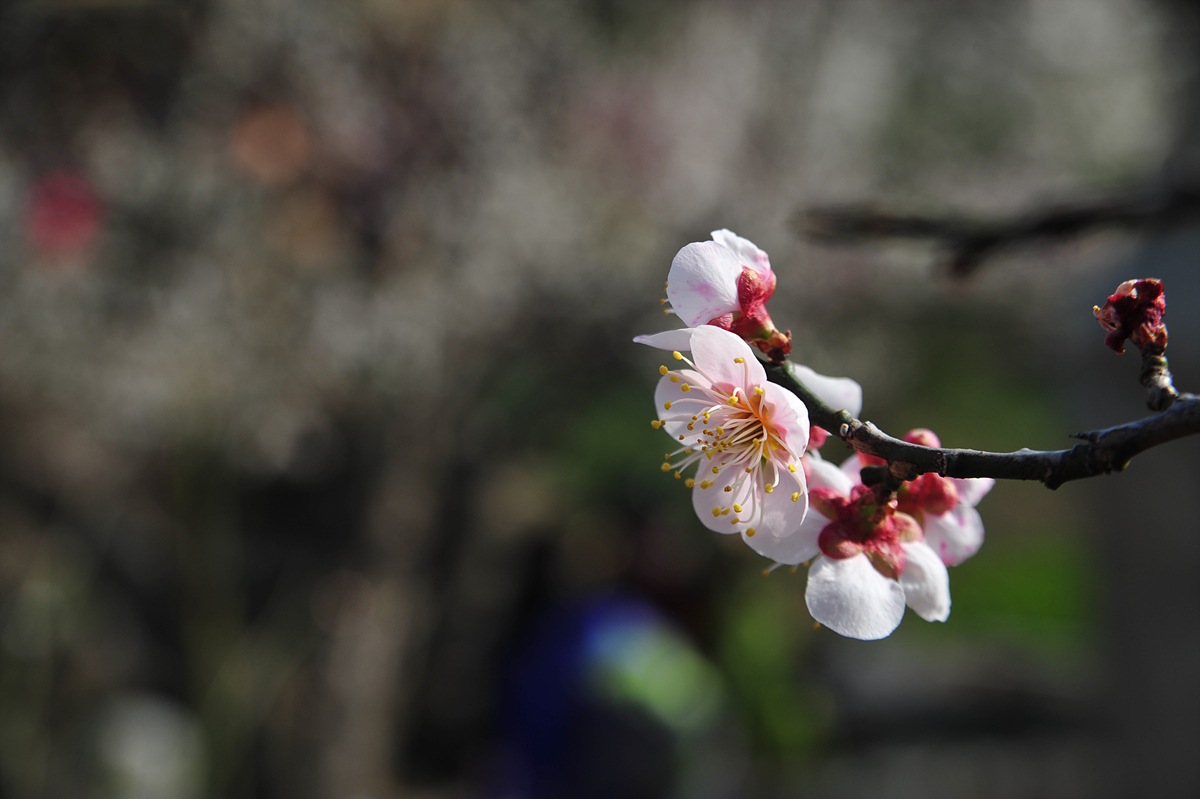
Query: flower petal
(682, 404)
(852, 467)
(823, 474)
(795, 548)
(715, 352)
(851, 598)
(781, 517)
(955, 536)
(678, 340)
(926, 583)
(789, 418)
(973, 489)
(839, 393)
(702, 283)
(705, 500)
(747, 252)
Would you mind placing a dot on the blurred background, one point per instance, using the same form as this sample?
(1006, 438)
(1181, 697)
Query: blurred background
(325, 464)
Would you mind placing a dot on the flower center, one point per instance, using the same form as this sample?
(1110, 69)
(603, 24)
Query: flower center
(727, 430)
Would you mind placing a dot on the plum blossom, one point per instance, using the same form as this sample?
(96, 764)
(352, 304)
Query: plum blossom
(1135, 312)
(726, 282)
(745, 436)
(871, 558)
(943, 506)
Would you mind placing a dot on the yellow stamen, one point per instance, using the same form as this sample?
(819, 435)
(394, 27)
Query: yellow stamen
(666, 467)
(796, 496)
(667, 405)
(677, 355)
(792, 468)
(674, 378)
(691, 426)
(705, 484)
(716, 470)
(726, 513)
(663, 301)
(716, 512)
(794, 570)
(690, 483)
(769, 488)
(739, 360)
(666, 311)
(750, 532)
(685, 388)
(655, 424)
(678, 476)
(662, 370)
(759, 390)
(737, 508)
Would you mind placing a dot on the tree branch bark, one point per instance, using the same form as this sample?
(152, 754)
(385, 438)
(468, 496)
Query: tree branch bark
(1102, 451)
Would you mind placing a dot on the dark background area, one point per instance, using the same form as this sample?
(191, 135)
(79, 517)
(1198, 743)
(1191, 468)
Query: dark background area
(325, 468)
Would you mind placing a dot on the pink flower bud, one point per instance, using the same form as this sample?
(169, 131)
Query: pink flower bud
(1135, 312)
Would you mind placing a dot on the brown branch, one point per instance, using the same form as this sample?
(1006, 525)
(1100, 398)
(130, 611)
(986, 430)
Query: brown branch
(1102, 452)
(968, 241)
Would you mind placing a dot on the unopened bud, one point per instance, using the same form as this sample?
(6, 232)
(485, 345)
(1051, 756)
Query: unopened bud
(1135, 312)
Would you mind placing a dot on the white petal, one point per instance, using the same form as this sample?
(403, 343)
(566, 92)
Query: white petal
(715, 496)
(954, 536)
(793, 549)
(823, 474)
(702, 283)
(852, 467)
(715, 352)
(678, 340)
(839, 393)
(746, 251)
(789, 418)
(682, 404)
(851, 598)
(974, 489)
(926, 582)
(781, 517)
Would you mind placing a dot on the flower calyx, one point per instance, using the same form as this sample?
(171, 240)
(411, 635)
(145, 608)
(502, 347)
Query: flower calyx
(863, 525)
(1135, 312)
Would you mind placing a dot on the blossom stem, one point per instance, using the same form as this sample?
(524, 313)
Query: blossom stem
(1102, 451)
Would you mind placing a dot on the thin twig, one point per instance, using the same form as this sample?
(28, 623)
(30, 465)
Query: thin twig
(968, 241)
(1102, 452)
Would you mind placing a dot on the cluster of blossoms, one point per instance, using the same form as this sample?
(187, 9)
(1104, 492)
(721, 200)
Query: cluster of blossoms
(758, 472)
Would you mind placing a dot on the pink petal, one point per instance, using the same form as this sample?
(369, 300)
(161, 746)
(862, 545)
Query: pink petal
(972, 490)
(852, 599)
(682, 404)
(926, 582)
(789, 416)
(955, 536)
(715, 496)
(823, 474)
(747, 253)
(715, 352)
(678, 340)
(702, 283)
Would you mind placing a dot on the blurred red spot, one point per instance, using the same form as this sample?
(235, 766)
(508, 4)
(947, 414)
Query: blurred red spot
(64, 215)
(271, 144)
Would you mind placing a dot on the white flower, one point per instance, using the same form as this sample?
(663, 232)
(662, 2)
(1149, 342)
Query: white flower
(943, 506)
(870, 562)
(746, 436)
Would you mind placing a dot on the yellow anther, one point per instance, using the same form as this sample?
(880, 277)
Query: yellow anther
(667, 405)
(739, 360)
(715, 470)
(705, 484)
(691, 426)
(666, 467)
(666, 311)
(750, 531)
(805, 563)
(795, 496)
(663, 301)
(737, 508)
(769, 488)
(690, 483)
(678, 476)
(685, 388)
(725, 512)
(720, 431)
(662, 370)
(794, 570)
(666, 284)
(677, 355)
(706, 416)
(674, 378)
(694, 419)
(816, 625)
(766, 572)
(681, 438)
(749, 469)
(792, 468)
(716, 513)
(655, 424)
(728, 489)
(735, 521)
(759, 390)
